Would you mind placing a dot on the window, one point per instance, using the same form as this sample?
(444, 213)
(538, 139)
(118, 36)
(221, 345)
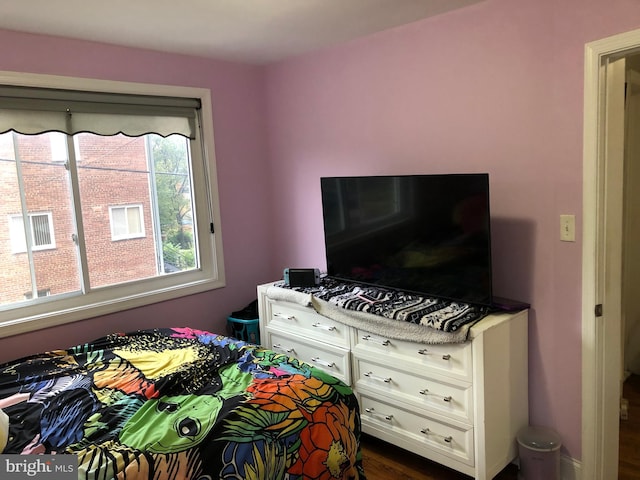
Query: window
(39, 293)
(58, 142)
(126, 222)
(41, 230)
(134, 220)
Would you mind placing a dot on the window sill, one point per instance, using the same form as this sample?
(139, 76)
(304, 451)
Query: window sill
(67, 314)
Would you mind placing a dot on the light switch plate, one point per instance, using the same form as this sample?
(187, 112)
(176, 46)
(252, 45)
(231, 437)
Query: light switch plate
(568, 228)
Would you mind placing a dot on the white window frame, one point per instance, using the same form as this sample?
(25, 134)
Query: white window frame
(61, 309)
(129, 235)
(19, 245)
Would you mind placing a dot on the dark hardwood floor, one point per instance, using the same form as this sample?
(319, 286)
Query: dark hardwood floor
(383, 461)
(629, 452)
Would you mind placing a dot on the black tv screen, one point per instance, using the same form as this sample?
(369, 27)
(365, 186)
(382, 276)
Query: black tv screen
(427, 234)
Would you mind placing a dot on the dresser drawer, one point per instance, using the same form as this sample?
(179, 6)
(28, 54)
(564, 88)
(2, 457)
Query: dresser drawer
(334, 360)
(305, 321)
(428, 435)
(453, 399)
(452, 359)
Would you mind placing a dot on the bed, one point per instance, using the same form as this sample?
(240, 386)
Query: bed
(181, 403)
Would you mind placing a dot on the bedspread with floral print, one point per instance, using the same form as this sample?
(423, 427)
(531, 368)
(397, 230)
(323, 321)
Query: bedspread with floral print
(169, 404)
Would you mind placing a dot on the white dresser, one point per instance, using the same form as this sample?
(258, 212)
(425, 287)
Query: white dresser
(460, 405)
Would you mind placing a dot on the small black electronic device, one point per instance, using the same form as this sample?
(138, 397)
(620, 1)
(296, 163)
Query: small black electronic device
(301, 277)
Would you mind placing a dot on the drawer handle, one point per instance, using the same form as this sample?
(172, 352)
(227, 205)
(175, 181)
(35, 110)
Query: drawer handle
(448, 398)
(277, 346)
(372, 411)
(369, 338)
(447, 439)
(284, 316)
(323, 362)
(329, 328)
(378, 378)
(424, 351)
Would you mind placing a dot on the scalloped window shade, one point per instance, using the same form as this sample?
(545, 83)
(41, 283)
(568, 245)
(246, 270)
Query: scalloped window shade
(30, 111)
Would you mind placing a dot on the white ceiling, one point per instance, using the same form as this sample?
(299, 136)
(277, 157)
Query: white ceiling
(250, 31)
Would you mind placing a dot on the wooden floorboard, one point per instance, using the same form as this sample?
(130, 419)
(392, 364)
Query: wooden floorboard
(629, 452)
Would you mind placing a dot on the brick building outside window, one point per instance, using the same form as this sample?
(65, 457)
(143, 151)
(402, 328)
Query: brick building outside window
(116, 188)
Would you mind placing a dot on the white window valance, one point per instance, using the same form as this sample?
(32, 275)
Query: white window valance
(31, 111)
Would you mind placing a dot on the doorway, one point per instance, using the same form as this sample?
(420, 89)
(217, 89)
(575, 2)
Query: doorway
(631, 231)
(603, 205)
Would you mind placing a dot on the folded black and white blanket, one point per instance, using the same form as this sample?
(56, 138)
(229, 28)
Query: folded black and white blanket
(386, 311)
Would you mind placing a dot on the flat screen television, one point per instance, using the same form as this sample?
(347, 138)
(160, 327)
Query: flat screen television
(428, 234)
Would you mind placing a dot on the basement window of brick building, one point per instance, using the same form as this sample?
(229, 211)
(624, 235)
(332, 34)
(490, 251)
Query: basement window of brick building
(109, 198)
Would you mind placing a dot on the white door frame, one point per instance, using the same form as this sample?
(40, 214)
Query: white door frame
(602, 255)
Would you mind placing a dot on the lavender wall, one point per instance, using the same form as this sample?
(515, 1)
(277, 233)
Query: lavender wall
(239, 129)
(494, 87)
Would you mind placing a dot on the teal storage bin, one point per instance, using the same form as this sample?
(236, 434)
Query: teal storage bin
(247, 330)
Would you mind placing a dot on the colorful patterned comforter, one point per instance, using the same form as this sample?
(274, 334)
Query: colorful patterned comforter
(182, 404)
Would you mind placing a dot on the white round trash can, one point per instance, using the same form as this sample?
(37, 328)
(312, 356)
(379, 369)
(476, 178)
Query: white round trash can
(539, 452)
